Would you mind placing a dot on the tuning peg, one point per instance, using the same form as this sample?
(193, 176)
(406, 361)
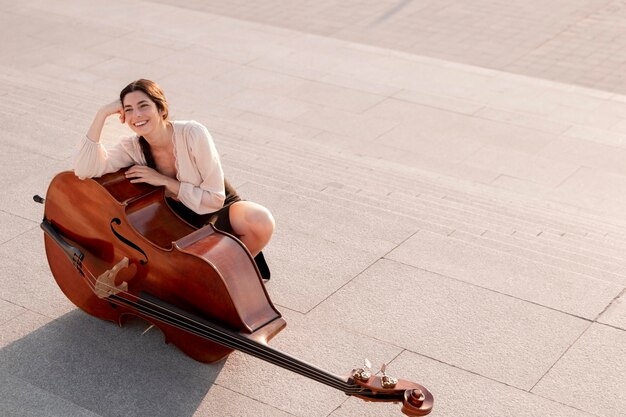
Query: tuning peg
(387, 381)
(365, 373)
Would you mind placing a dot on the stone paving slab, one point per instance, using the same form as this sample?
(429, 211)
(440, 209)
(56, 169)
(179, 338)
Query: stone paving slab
(515, 164)
(100, 371)
(577, 294)
(12, 226)
(463, 393)
(17, 163)
(602, 349)
(422, 119)
(342, 98)
(276, 107)
(232, 404)
(538, 255)
(577, 42)
(480, 137)
(22, 213)
(21, 325)
(476, 333)
(21, 398)
(8, 311)
(319, 249)
(581, 151)
(26, 280)
(605, 184)
(312, 267)
(566, 42)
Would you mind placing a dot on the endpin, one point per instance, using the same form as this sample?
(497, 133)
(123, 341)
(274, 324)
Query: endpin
(146, 331)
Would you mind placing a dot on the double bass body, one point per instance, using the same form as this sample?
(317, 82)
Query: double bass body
(202, 271)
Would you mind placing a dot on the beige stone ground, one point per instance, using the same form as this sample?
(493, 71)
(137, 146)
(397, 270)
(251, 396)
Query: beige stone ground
(455, 212)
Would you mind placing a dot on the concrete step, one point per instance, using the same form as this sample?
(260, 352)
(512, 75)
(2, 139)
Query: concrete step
(547, 216)
(431, 199)
(560, 231)
(536, 282)
(491, 221)
(583, 253)
(600, 266)
(502, 271)
(576, 254)
(318, 185)
(31, 97)
(56, 87)
(538, 256)
(359, 183)
(585, 229)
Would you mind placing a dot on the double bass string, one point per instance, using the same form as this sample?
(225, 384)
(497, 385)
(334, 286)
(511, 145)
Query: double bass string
(243, 344)
(226, 338)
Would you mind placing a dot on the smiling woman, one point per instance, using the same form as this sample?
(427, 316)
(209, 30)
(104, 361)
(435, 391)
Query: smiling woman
(178, 155)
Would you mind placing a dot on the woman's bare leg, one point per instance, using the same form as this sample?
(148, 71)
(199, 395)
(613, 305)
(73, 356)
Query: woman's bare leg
(253, 223)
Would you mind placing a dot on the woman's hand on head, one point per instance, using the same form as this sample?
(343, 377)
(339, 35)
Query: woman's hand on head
(112, 108)
(95, 130)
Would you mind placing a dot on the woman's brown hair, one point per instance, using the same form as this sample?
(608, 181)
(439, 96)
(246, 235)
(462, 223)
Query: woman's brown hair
(152, 90)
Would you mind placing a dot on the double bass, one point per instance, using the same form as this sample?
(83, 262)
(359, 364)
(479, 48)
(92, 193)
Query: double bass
(117, 250)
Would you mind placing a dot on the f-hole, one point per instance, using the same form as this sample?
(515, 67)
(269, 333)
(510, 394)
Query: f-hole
(128, 242)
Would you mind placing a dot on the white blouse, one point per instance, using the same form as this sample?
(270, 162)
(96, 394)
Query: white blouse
(198, 167)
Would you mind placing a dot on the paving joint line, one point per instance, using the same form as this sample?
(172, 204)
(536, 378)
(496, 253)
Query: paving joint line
(562, 355)
(19, 235)
(492, 290)
(609, 305)
(251, 398)
(362, 271)
(498, 382)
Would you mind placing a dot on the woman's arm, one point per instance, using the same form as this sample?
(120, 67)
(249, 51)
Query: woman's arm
(92, 159)
(209, 195)
(95, 130)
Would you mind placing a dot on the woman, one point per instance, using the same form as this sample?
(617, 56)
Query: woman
(181, 157)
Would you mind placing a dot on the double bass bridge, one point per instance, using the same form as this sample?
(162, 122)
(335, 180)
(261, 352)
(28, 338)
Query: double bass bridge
(105, 283)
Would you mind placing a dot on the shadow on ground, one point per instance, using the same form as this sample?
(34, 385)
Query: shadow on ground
(82, 366)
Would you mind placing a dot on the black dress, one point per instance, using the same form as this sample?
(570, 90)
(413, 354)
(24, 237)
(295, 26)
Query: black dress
(220, 218)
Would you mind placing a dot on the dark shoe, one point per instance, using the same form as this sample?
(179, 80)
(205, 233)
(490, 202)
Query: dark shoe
(262, 265)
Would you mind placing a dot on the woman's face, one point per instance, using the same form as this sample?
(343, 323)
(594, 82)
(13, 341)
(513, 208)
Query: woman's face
(141, 113)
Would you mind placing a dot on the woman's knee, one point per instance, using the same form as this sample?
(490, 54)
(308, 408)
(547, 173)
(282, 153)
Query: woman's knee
(253, 219)
(262, 222)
